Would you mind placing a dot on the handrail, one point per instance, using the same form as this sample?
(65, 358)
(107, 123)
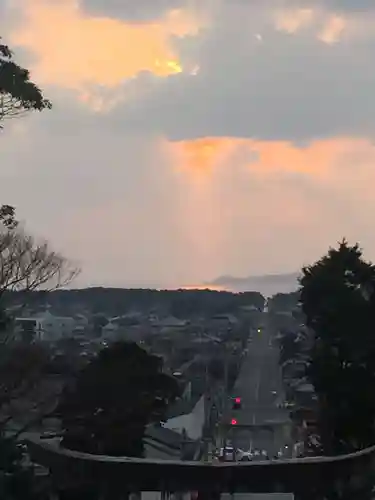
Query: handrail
(288, 475)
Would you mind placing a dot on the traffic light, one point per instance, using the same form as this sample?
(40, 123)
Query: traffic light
(233, 421)
(237, 404)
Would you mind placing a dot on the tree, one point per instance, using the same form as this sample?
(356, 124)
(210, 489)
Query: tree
(8, 217)
(26, 264)
(113, 399)
(23, 265)
(16, 480)
(338, 300)
(18, 94)
(216, 368)
(289, 347)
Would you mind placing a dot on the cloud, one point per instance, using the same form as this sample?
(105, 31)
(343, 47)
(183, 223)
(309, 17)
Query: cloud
(136, 209)
(295, 87)
(131, 10)
(256, 164)
(352, 6)
(319, 160)
(85, 52)
(261, 92)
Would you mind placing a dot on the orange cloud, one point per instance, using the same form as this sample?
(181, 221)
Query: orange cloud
(76, 51)
(318, 159)
(281, 191)
(327, 26)
(202, 155)
(333, 30)
(292, 20)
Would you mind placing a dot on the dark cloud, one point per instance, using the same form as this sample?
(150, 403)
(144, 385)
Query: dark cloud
(285, 87)
(347, 5)
(132, 10)
(353, 6)
(290, 87)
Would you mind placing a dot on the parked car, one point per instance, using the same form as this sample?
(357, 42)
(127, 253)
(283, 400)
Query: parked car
(246, 456)
(48, 435)
(227, 454)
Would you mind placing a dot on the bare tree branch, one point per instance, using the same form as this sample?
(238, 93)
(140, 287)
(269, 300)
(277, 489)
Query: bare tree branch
(27, 265)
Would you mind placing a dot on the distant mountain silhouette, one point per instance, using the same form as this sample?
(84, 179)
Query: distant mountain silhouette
(268, 284)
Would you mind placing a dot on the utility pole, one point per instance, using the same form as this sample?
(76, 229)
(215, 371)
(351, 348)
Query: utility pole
(207, 411)
(226, 372)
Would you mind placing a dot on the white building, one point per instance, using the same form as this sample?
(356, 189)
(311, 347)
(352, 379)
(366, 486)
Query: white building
(110, 331)
(44, 327)
(170, 324)
(192, 423)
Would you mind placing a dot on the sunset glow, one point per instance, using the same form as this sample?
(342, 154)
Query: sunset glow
(199, 139)
(318, 158)
(75, 50)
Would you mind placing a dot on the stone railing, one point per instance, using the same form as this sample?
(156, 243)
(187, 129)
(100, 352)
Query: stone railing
(316, 475)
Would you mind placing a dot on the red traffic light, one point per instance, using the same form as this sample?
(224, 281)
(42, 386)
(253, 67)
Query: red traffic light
(237, 400)
(234, 421)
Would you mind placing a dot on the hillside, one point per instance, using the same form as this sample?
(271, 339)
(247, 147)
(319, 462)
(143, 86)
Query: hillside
(267, 285)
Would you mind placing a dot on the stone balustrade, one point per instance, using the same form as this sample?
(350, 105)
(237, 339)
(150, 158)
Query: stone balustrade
(315, 475)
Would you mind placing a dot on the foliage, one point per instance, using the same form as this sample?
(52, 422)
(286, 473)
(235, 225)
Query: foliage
(117, 301)
(16, 479)
(283, 302)
(8, 216)
(338, 299)
(18, 94)
(216, 368)
(113, 399)
(289, 347)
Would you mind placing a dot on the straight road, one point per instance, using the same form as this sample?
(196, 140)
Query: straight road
(260, 388)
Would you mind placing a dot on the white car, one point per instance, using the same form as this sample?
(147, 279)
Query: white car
(260, 455)
(48, 435)
(246, 456)
(227, 454)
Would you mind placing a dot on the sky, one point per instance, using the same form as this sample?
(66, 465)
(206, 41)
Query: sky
(190, 139)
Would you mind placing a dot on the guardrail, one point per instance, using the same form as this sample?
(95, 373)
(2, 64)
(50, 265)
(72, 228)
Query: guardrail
(70, 468)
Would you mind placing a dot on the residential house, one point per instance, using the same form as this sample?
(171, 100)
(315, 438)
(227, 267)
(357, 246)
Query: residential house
(44, 327)
(170, 324)
(188, 418)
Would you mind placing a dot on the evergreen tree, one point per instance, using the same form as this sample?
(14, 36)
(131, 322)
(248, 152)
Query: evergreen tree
(338, 300)
(18, 94)
(113, 399)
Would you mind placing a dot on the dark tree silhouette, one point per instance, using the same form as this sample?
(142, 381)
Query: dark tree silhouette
(113, 400)
(338, 300)
(18, 94)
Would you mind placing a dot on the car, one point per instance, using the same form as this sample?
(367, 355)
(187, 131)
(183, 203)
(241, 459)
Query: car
(246, 456)
(288, 405)
(256, 455)
(237, 403)
(227, 454)
(48, 435)
(259, 455)
(274, 393)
